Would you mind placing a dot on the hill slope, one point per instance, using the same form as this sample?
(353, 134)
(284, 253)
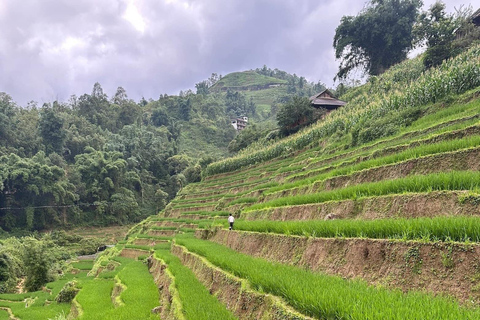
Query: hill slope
(372, 213)
(246, 80)
(352, 202)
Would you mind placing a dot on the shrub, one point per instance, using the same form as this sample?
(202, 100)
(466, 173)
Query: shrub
(68, 292)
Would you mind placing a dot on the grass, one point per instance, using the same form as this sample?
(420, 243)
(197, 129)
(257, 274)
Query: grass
(455, 180)
(197, 303)
(327, 297)
(243, 200)
(412, 153)
(83, 265)
(459, 228)
(140, 296)
(41, 304)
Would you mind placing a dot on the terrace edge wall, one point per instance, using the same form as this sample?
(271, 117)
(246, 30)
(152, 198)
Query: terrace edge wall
(448, 268)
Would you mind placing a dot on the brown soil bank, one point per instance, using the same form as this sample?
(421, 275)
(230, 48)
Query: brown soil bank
(133, 253)
(162, 233)
(432, 204)
(169, 308)
(439, 268)
(234, 292)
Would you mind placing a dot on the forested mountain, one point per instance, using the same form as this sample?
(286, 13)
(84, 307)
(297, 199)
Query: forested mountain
(107, 160)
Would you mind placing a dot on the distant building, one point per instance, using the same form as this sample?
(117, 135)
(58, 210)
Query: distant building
(240, 123)
(326, 100)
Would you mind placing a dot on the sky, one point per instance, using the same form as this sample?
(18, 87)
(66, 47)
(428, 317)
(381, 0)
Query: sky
(52, 49)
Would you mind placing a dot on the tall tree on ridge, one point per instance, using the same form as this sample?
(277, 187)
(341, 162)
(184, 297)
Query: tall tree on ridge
(377, 38)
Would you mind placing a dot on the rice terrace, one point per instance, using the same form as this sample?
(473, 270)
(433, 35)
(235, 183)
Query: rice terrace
(365, 208)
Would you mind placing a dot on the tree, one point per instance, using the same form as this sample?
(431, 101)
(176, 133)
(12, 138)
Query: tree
(202, 87)
(97, 110)
(444, 35)
(7, 111)
(120, 96)
(377, 38)
(248, 136)
(159, 117)
(185, 109)
(51, 129)
(296, 114)
(37, 261)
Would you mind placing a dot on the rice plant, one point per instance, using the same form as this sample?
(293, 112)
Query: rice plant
(454, 180)
(328, 297)
(197, 302)
(458, 228)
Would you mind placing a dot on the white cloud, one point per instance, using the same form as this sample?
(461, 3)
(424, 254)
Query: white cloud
(133, 16)
(52, 49)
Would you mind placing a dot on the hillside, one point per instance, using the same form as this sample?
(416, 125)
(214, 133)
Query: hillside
(372, 213)
(265, 89)
(246, 80)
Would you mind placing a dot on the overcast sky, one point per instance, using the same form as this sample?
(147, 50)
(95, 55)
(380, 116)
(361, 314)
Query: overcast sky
(51, 49)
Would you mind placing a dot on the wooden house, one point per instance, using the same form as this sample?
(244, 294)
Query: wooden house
(476, 18)
(326, 100)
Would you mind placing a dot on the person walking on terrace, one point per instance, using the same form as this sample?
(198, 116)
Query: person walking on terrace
(231, 220)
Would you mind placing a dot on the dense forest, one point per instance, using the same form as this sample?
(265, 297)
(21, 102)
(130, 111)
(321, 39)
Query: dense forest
(102, 160)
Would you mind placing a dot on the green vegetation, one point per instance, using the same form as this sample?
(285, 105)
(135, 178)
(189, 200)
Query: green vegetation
(377, 38)
(455, 180)
(197, 303)
(138, 298)
(83, 265)
(458, 228)
(327, 297)
(246, 80)
(96, 161)
(453, 77)
(411, 153)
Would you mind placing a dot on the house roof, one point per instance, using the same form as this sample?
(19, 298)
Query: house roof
(476, 17)
(325, 99)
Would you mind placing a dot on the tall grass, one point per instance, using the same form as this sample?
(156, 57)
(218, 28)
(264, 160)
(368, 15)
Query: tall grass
(197, 302)
(462, 228)
(454, 180)
(328, 297)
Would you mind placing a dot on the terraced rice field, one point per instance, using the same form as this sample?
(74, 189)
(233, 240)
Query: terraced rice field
(326, 227)
(384, 230)
(388, 230)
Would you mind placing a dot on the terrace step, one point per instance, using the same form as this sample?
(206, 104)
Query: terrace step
(466, 159)
(449, 268)
(414, 205)
(170, 307)
(450, 135)
(133, 253)
(162, 233)
(148, 242)
(234, 292)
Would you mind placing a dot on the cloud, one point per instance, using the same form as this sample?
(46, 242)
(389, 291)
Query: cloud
(52, 49)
